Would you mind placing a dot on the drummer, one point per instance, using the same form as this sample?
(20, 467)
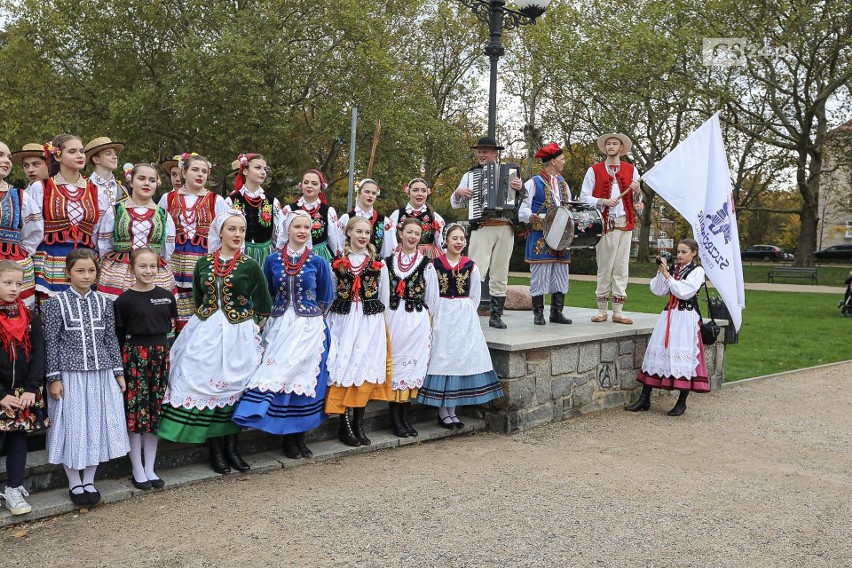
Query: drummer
(548, 267)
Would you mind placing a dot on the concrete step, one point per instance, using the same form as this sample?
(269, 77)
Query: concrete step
(56, 501)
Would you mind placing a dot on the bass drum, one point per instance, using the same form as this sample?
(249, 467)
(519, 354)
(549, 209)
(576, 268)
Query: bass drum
(573, 226)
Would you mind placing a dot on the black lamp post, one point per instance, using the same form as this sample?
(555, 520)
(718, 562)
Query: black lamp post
(499, 17)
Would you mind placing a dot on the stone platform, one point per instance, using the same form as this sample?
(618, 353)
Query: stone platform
(554, 372)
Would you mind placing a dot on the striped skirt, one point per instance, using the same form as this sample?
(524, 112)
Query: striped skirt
(49, 267)
(193, 426)
(444, 390)
(116, 276)
(259, 251)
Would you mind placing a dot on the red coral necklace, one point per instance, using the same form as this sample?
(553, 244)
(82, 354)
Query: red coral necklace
(293, 268)
(221, 271)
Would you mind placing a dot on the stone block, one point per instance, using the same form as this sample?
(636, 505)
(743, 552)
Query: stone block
(625, 347)
(561, 386)
(518, 298)
(538, 354)
(625, 363)
(592, 406)
(508, 364)
(520, 393)
(590, 357)
(582, 395)
(609, 350)
(639, 352)
(628, 381)
(564, 360)
(710, 359)
(524, 419)
(583, 379)
(543, 388)
(615, 399)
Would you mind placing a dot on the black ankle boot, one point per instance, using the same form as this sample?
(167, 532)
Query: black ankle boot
(397, 427)
(344, 432)
(290, 448)
(680, 405)
(496, 312)
(557, 302)
(233, 455)
(358, 426)
(300, 443)
(403, 415)
(644, 402)
(538, 310)
(217, 456)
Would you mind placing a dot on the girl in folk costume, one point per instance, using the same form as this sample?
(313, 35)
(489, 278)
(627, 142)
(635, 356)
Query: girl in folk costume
(192, 208)
(411, 274)
(325, 236)
(86, 378)
(288, 388)
(144, 317)
(548, 267)
(219, 349)
(432, 224)
(674, 358)
(263, 215)
(21, 227)
(357, 359)
(452, 378)
(134, 223)
(382, 238)
(21, 378)
(72, 210)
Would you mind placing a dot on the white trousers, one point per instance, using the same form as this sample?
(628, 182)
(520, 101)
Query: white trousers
(613, 257)
(491, 248)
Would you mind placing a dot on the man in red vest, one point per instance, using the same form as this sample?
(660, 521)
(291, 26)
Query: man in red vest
(612, 186)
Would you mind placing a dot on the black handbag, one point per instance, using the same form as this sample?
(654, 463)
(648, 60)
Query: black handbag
(709, 330)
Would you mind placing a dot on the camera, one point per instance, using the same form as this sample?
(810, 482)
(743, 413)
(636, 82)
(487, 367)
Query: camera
(665, 255)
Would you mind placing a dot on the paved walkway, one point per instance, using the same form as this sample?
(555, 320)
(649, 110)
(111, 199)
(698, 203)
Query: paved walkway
(755, 475)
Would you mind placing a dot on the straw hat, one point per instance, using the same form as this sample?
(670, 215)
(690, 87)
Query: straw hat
(625, 141)
(99, 144)
(167, 165)
(28, 151)
(235, 167)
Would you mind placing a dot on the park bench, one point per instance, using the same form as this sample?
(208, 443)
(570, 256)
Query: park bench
(791, 272)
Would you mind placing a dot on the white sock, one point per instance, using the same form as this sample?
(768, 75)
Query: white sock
(89, 476)
(74, 480)
(136, 457)
(443, 412)
(150, 441)
(451, 411)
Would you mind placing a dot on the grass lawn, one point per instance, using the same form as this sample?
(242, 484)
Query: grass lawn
(781, 331)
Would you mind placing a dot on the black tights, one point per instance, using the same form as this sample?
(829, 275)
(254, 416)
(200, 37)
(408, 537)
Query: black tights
(16, 457)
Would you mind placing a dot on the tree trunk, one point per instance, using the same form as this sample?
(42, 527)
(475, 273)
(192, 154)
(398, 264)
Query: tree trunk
(809, 178)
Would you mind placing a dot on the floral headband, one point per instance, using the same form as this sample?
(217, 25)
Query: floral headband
(362, 182)
(184, 157)
(51, 150)
(128, 171)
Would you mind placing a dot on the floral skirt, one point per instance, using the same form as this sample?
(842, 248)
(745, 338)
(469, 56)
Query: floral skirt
(27, 420)
(146, 372)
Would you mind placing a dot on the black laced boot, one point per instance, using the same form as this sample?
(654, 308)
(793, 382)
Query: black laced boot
(680, 405)
(403, 415)
(217, 456)
(644, 402)
(496, 312)
(303, 448)
(538, 310)
(290, 448)
(233, 455)
(397, 427)
(344, 432)
(557, 302)
(358, 426)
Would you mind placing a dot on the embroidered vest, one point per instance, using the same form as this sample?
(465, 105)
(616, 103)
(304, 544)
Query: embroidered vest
(124, 224)
(542, 200)
(319, 224)
(11, 218)
(690, 304)
(259, 219)
(426, 221)
(367, 294)
(603, 190)
(415, 285)
(204, 211)
(453, 282)
(377, 235)
(58, 227)
(293, 287)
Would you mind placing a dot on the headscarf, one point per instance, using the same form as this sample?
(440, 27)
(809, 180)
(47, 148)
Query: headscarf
(213, 239)
(285, 237)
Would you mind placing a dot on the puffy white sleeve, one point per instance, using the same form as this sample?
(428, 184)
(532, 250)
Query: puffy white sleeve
(439, 234)
(432, 294)
(106, 226)
(384, 286)
(335, 235)
(525, 210)
(461, 202)
(389, 241)
(36, 191)
(587, 189)
(475, 286)
(277, 222)
(164, 202)
(637, 197)
(688, 287)
(659, 286)
(171, 233)
(32, 232)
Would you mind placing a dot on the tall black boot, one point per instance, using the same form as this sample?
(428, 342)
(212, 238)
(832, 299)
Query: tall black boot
(397, 427)
(303, 448)
(358, 425)
(644, 402)
(217, 457)
(557, 302)
(538, 310)
(497, 311)
(403, 415)
(680, 405)
(290, 449)
(344, 432)
(233, 455)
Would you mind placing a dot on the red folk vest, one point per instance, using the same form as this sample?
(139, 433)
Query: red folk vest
(603, 189)
(204, 211)
(57, 225)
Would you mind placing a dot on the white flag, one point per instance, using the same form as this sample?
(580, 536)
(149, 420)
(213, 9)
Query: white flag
(695, 179)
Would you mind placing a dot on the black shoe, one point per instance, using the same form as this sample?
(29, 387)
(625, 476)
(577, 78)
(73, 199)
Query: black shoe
(291, 450)
(217, 457)
(403, 415)
(457, 424)
(397, 427)
(496, 312)
(644, 402)
(358, 426)
(344, 431)
(300, 443)
(446, 422)
(557, 303)
(538, 310)
(92, 497)
(157, 483)
(233, 455)
(79, 499)
(144, 486)
(680, 406)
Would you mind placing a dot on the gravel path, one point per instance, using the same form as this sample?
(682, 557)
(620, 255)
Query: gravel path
(757, 475)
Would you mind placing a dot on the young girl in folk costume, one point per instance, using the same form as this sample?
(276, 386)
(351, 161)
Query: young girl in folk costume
(674, 358)
(452, 379)
(325, 236)
(21, 227)
(263, 215)
(86, 379)
(72, 210)
(219, 349)
(21, 378)
(192, 208)
(411, 274)
(432, 224)
(134, 223)
(382, 238)
(288, 388)
(357, 359)
(144, 317)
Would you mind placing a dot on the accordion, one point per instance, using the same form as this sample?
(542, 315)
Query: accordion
(493, 196)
